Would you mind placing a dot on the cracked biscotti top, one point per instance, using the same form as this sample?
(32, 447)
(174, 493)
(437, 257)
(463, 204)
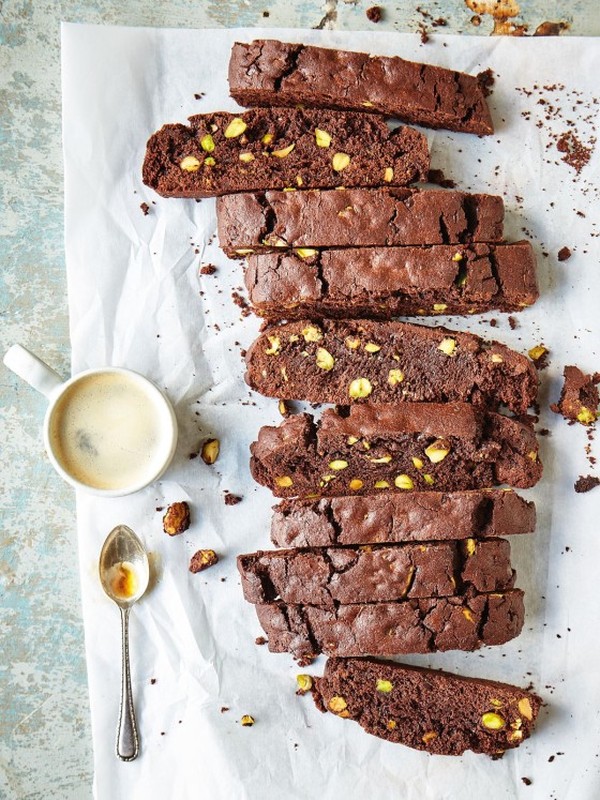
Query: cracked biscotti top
(427, 709)
(276, 148)
(268, 72)
(257, 222)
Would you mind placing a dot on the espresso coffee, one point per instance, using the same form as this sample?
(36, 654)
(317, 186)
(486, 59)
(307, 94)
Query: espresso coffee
(111, 431)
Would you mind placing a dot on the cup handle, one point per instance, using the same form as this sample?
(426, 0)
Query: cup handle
(32, 369)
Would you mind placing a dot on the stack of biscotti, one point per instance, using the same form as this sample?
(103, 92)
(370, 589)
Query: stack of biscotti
(391, 527)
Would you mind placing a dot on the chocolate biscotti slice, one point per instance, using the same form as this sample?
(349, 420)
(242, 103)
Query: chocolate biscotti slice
(325, 576)
(395, 448)
(350, 361)
(267, 72)
(385, 282)
(401, 517)
(277, 148)
(253, 222)
(465, 622)
(427, 709)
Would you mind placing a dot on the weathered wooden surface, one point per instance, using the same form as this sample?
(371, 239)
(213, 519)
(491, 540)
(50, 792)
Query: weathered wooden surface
(45, 747)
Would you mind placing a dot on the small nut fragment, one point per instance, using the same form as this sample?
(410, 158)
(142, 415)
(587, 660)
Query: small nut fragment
(235, 128)
(284, 374)
(355, 484)
(274, 241)
(496, 358)
(285, 151)
(371, 347)
(209, 161)
(395, 376)
(586, 416)
(299, 181)
(381, 459)
(322, 138)
(207, 143)
(189, 164)
(439, 308)
(304, 683)
(467, 614)
(515, 736)
(532, 455)
(305, 252)
(493, 721)
(525, 709)
(360, 387)
(471, 546)
(210, 451)
(283, 408)
(417, 463)
(247, 721)
(177, 518)
(352, 439)
(537, 352)
(324, 359)
(203, 559)
(381, 485)
(340, 161)
(388, 174)
(285, 481)
(338, 464)
(437, 451)
(457, 257)
(368, 104)
(404, 482)
(496, 703)
(391, 724)
(447, 346)
(337, 704)
(429, 479)
(352, 342)
(312, 334)
(383, 686)
(429, 736)
(246, 157)
(275, 347)
(267, 138)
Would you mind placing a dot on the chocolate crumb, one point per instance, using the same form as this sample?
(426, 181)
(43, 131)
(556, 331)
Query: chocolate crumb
(586, 483)
(208, 269)
(486, 81)
(241, 303)
(152, 681)
(527, 781)
(260, 640)
(551, 759)
(550, 28)
(544, 432)
(493, 323)
(576, 154)
(513, 323)
(437, 176)
(423, 33)
(224, 709)
(564, 254)
(145, 208)
(266, 14)
(232, 499)
(374, 14)
(199, 95)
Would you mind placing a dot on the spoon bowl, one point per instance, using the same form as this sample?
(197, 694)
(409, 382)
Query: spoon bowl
(124, 573)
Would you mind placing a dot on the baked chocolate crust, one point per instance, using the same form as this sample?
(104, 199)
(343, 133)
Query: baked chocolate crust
(275, 148)
(267, 72)
(389, 448)
(265, 221)
(426, 709)
(325, 576)
(385, 282)
(401, 517)
(466, 622)
(395, 361)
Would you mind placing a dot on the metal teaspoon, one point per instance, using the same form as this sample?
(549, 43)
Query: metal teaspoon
(124, 574)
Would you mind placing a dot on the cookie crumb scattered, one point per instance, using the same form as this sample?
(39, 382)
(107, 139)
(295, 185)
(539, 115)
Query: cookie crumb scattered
(585, 483)
(260, 640)
(208, 269)
(527, 781)
(145, 208)
(564, 254)
(224, 709)
(486, 81)
(177, 518)
(232, 499)
(203, 559)
(374, 14)
(579, 396)
(152, 681)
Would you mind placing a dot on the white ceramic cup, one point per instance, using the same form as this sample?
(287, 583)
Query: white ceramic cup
(107, 431)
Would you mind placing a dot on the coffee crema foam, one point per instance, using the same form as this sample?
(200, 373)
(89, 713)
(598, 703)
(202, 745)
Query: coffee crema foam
(108, 431)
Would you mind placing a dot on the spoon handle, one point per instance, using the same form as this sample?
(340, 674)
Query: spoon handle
(127, 735)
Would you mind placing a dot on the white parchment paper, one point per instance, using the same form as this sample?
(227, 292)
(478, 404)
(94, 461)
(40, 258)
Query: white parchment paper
(136, 299)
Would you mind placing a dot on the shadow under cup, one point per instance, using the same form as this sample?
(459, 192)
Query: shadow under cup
(110, 431)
